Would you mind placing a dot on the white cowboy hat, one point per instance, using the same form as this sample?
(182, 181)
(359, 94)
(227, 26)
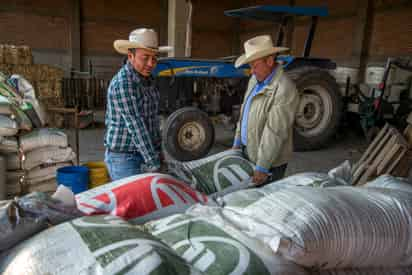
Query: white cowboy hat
(258, 47)
(140, 39)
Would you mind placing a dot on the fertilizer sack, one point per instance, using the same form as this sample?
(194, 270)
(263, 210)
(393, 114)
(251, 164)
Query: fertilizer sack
(336, 227)
(8, 127)
(140, 198)
(37, 174)
(44, 155)
(93, 245)
(25, 216)
(11, 110)
(35, 139)
(212, 174)
(208, 242)
(366, 271)
(390, 182)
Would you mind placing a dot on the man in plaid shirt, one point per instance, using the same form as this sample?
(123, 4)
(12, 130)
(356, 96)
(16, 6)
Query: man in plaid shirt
(132, 139)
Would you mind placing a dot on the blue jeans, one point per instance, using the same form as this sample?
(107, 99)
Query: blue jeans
(122, 165)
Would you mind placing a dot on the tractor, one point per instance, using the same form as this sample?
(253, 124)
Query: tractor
(193, 89)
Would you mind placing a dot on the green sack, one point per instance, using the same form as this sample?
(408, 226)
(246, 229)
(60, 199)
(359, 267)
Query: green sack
(93, 245)
(206, 239)
(212, 174)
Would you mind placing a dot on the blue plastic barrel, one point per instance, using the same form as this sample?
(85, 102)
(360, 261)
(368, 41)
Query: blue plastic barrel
(74, 177)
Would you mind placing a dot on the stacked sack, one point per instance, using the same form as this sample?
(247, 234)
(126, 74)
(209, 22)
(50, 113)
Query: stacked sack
(307, 224)
(32, 156)
(33, 159)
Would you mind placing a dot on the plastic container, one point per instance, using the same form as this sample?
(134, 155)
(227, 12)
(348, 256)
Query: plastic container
(74, 177)
(98, 174)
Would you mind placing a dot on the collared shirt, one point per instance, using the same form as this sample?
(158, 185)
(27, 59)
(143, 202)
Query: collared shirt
(132, 119)
(245, 116)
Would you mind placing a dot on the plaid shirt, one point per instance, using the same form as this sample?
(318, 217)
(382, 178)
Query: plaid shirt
(132, 119)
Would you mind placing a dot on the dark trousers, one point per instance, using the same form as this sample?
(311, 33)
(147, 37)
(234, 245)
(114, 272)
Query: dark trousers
(276, 173)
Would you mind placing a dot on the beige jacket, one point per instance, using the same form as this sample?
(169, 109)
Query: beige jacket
(270, 122)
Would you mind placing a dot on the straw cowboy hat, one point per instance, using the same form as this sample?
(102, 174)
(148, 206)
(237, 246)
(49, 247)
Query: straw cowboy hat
(141, 38)
(258, 47)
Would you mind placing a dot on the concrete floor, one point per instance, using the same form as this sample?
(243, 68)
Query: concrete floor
(347, 147)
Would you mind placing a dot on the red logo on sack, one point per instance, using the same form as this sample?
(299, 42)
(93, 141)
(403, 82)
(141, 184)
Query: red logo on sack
(139, 197)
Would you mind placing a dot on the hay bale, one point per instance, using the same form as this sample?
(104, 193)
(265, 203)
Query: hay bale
(11, 54)
(6, 69)
(24, 55)
(16, 55)
(45, 89)
(55, 73)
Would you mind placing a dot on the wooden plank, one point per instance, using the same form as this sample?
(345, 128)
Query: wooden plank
(62, 110)
(387, 158)
(358, 173)
(404, 166)
(407, 133)
(396, 161)
(376, 161)
(375, 141)
(380, 146)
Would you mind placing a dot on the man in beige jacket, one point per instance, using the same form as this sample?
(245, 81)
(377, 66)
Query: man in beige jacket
(265, 127)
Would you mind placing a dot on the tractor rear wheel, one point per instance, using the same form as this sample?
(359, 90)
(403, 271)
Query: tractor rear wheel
(188, 134)
(320, 108)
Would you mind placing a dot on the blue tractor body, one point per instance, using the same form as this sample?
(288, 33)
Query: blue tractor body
(224, 68)
(217, 87)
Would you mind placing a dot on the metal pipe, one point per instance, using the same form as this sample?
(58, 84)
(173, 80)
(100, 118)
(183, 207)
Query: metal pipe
(311, 35)
(188, 46)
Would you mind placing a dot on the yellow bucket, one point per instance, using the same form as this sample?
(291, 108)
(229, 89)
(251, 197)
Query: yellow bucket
(98, 174)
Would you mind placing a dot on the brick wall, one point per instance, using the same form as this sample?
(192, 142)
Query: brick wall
(212, 34)
(389, 32)
(41, 27)
(44, 25)
(333, 39)
(105, 21)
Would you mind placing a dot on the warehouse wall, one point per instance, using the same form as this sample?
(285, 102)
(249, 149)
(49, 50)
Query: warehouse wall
(213, 32)
(391, 34)
(47, 26)
(41, 24)
(105, 21)
(388, 30)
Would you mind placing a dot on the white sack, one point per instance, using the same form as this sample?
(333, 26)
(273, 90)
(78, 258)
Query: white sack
(335, 227)
(390, 182)
(39, 156)
(93, 245)
(8, 127)
(205, 239)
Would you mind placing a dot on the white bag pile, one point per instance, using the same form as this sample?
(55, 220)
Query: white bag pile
(337, 230)
(93, 245)
(33, 159)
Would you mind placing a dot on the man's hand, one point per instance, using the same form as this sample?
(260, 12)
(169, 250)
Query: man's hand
(259, 177)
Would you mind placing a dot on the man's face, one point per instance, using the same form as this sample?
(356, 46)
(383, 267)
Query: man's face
(143, 61)
(262, 67)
